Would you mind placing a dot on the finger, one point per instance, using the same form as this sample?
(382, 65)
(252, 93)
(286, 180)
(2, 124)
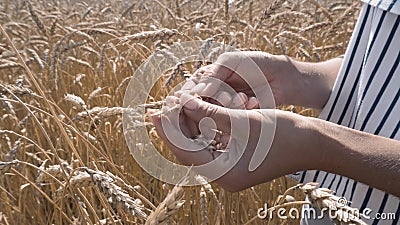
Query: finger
(239, 101)
(224, 98)
(169, 100)
(181, 122)
(155, 118)
(221, 73)
(222, 141)
(180, 92)
(198, 89)
(252, 103)
(188, 127)
(189, 84)
(196, 110)
(192, 127)
(211, 100)
(200, 72)
(185, 155)
(211, 87)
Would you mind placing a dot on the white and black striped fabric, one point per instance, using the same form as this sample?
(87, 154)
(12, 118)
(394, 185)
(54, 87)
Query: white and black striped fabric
(388, 5)
(366, 97)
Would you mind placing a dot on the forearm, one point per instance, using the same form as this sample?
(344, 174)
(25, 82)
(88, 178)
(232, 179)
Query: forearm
(361, 156)
(314, 82)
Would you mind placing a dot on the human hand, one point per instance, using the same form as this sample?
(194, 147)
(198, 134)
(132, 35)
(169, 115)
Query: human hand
(246, 137)
(264, 80)
(257, 77)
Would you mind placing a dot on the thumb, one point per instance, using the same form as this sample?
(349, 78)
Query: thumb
(197, 110)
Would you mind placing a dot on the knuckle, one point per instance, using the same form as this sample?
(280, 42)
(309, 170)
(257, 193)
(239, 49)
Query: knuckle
(211, 111)
(229, 55)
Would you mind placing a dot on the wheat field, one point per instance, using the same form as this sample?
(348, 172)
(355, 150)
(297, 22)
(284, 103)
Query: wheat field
(63, 156)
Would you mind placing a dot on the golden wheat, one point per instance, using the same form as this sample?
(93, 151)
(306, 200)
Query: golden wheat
(64, 68)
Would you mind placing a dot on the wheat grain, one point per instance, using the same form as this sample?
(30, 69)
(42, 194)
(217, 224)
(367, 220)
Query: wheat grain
(276, 4)
(72, 45)
(316, 26)
(6, 166)
(162, 33)
(168, 207)
(204, 50)
(91, 50)
(203, 207)
(10, 156)
(75, 100)
(53, 171)
(35, 18)
(17, 90)
(118, 196)
(37, 58)
(104, 112)
(323, 9)
(343, 18)
(81, 62)
(44, 34)
(9, 107)
(294, 37)
(79, 78)
(95, 93)
(325, 199)
(288, 15)
(53, 27)
(176, 70)
(9, 65)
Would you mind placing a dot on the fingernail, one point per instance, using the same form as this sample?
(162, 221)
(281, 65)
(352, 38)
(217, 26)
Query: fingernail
(189, 84)
(180, 92)
(210, 89)
(171, 100)
(252, 104)
(243, 97)
(224, 98)
(239, 101)
(198, 88)
(189, 102)
(196, 78)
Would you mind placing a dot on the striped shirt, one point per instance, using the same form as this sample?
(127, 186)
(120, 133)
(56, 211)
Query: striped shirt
(366, 97)
(392, 6)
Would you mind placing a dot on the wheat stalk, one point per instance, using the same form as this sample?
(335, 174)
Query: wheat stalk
(116, 195)
(162, 33)
(203, 207)
(17, 90)
(6, 166)
(168, 207)
(324, 198)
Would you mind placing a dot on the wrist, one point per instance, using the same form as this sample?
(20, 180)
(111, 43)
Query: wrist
(296, 136)
(282, 71)
(320, 137)
(315, 82)
(293, 83)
